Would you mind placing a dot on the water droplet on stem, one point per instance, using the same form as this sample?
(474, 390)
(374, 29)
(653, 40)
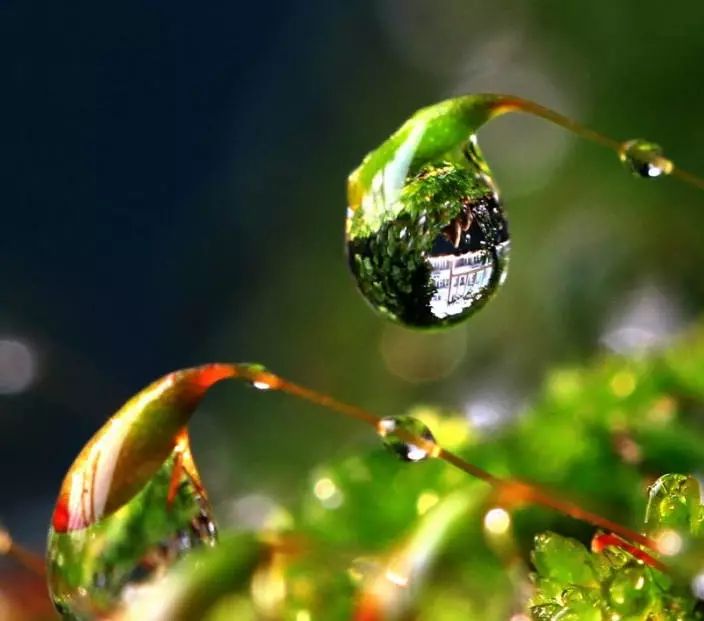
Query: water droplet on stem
(398, 434)
(427, 239)
(644, 159)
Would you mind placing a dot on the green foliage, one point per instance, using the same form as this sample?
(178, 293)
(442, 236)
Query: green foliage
(195, 587)
(374, 537)
(573, 583)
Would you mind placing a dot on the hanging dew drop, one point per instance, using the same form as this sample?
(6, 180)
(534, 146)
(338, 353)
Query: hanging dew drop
(427, 240)
(644, 159)
(398, 433)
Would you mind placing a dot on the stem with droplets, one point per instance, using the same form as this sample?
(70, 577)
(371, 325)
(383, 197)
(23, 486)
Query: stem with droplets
(501, 104)
(510, 490)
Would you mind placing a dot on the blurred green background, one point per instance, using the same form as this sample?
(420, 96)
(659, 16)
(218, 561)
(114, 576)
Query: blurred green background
(172, 181)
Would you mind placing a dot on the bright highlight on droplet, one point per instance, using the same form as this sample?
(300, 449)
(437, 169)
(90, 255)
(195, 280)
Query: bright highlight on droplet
(259, 385)
(497, 521)
(668, 542)
(17, 366)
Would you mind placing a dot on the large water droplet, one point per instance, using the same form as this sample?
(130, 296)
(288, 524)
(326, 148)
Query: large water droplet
(398, 432)
(93, 569)
(644, 159)
(426, 236)
(132, 502)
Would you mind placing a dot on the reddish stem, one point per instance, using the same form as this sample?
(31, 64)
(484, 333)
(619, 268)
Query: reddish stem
(608, 539)
(511, 489)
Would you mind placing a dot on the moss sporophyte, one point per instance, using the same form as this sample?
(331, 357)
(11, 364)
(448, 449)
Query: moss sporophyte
(133, 504)
(427, 237)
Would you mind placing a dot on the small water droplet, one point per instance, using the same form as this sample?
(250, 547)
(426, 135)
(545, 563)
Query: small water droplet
(396, 432)
(257, 376)
(644, 159)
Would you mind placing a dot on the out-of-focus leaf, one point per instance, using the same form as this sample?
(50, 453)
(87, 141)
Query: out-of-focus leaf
(197, 583)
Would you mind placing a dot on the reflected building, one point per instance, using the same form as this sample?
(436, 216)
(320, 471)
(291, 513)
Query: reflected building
(461, 280)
